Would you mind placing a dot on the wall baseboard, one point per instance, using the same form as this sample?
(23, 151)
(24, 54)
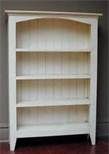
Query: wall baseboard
(4, 141)
(4, 134)
(102, 131)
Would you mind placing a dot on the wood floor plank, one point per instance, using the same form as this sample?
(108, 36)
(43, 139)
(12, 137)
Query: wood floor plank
(57, 145)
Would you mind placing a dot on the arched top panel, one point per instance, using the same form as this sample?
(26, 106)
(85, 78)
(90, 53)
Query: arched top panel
(52, 34)
(84, 20)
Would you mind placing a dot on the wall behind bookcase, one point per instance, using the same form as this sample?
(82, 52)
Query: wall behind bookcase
(103, 57)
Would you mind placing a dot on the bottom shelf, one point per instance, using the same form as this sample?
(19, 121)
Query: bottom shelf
(52, 130)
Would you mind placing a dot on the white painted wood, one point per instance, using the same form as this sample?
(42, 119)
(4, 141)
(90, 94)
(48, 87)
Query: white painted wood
(51, 12)
(48, 50)
(86, 20)
(12, 81)
(52, 74)
(52, 130)
(93, 83)
(54, 102)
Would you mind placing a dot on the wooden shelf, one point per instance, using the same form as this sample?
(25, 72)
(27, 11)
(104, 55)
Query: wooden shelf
(48, 50)
(52, 76)
(51, 102)
(52, 129)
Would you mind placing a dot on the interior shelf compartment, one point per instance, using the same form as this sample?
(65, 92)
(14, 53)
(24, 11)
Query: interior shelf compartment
(36, 90)
(52, 34)
(54, 120)
(52, 65)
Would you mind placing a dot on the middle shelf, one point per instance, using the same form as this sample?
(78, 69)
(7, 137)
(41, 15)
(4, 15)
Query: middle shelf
(53, 76)
(54, 102)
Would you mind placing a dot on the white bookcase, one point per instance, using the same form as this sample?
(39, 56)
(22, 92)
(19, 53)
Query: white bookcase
(52, 74)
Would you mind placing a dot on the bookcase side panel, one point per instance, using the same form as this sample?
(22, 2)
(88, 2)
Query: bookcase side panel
(93, 82)
(12, 80)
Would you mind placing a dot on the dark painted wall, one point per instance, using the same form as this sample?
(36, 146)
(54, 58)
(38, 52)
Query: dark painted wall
(103, 54)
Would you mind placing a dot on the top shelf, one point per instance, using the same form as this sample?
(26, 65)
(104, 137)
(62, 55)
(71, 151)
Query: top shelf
(57, 50)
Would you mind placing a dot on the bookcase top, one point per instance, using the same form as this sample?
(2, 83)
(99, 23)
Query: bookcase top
(51, 12)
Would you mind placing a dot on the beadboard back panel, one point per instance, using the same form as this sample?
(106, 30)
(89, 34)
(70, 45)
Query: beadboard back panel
(52, 115)
(52, 89)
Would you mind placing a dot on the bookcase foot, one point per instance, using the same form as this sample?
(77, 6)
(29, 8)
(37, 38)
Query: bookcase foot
(13, 144)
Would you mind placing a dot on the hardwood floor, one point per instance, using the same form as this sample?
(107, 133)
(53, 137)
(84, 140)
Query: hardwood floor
(57, 145)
